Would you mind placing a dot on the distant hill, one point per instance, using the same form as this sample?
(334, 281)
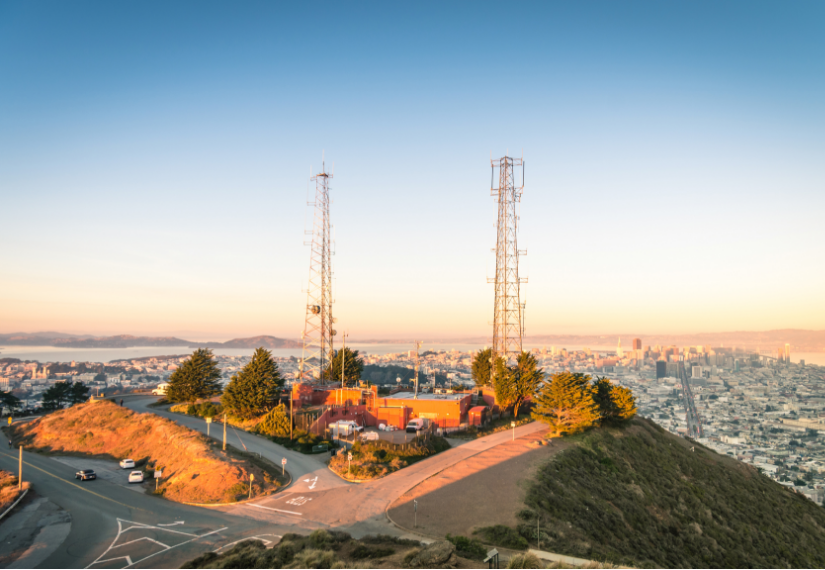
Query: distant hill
(643, 497)
(252, 342)
(128, 341)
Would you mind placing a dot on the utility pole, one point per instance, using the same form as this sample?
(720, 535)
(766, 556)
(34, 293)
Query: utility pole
(291, 414)
(224, 431)
(20, 471)
(318, 331)
(418, 344)
(343, 357)
(508, 314)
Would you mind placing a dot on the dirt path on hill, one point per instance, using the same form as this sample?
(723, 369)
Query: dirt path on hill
(483, 490)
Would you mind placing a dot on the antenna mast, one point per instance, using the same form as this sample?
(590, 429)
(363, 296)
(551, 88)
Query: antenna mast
(318, 331)
(508, 315)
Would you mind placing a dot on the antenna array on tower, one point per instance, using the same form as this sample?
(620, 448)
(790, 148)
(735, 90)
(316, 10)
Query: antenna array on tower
(318, 331)
(508, 318)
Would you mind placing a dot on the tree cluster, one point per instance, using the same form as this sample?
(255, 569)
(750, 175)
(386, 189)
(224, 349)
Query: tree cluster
(9, 401)
(572, 402)
(353, 367)
(514, 384)
(62, 393)
(255, 389)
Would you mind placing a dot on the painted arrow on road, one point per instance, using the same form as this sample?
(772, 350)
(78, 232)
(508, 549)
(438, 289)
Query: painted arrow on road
(313, 481)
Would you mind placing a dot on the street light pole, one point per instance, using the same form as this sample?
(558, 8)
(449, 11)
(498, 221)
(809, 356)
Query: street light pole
(20, 471)
(224, 431)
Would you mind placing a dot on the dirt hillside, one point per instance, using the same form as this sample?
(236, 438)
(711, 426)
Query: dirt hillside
(195, 470)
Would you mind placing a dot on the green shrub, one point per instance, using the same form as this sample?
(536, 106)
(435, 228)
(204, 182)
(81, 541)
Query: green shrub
(501, 535)
(362, 551)
(468, 547)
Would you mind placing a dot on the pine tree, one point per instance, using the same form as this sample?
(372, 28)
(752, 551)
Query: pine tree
(482, 367)
(616, 403)
(504, 383)
(566, 403)
(526, 380)
(56, 395)
(607, 408)
(78, 393)
(9, 401)
(256, 388)
(196, 378)
(624, 403)
(275, 422)
(353, 363)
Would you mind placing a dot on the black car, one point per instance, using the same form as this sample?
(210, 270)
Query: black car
(85, 475)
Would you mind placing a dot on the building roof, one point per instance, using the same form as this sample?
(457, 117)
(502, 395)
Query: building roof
(411, 395)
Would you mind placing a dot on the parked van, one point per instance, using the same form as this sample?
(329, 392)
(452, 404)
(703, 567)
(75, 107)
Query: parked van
(344, 428)
(417, 424)
(161, 389)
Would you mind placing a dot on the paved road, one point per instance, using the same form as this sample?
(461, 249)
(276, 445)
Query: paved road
(321, 497)
(114, 527)
(360, 509)
(309, 472)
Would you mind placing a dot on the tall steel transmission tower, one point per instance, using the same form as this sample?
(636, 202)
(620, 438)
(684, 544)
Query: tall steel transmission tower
(508, 318)
(318, 331)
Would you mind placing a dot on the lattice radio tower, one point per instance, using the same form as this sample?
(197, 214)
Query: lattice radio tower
(508, 318)
(318, 331)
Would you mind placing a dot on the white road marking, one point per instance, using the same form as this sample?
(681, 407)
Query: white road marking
(298, 501)
(265, 541)
(313, 481)
(271, 509)
(139, 526)
(172, 524)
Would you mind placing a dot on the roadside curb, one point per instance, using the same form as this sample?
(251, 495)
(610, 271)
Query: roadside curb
(357, 480)
(14, 504)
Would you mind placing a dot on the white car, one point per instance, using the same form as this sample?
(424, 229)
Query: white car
(136, 477)
(127, 464)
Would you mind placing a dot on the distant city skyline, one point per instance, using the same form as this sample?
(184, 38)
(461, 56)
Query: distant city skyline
(153, 171)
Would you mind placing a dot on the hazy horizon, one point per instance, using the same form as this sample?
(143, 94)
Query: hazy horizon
(154, 171)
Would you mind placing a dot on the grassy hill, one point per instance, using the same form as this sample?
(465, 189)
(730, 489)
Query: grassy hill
(642, 497)
(195, 470)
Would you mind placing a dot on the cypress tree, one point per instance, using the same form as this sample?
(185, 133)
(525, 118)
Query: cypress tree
(616, 403)
(256, 388)
(624, 402)
(196, 378)
(567, 403)
(353, 363)
(482, 367)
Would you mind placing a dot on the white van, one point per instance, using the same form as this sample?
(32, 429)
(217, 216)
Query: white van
(161, 389)
(344, 428)
(417, 424)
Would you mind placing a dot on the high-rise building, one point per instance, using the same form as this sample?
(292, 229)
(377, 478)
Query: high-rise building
(637, 344)
(787, 353)
(661, 369)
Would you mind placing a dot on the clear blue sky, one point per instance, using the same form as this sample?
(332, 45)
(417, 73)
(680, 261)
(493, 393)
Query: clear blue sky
(154, 160)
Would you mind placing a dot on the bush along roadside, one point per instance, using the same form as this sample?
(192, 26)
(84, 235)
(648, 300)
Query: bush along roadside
(501, 424)
(371, 460)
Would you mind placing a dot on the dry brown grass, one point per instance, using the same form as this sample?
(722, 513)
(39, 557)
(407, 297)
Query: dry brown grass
(9, 489)
(195, 470)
